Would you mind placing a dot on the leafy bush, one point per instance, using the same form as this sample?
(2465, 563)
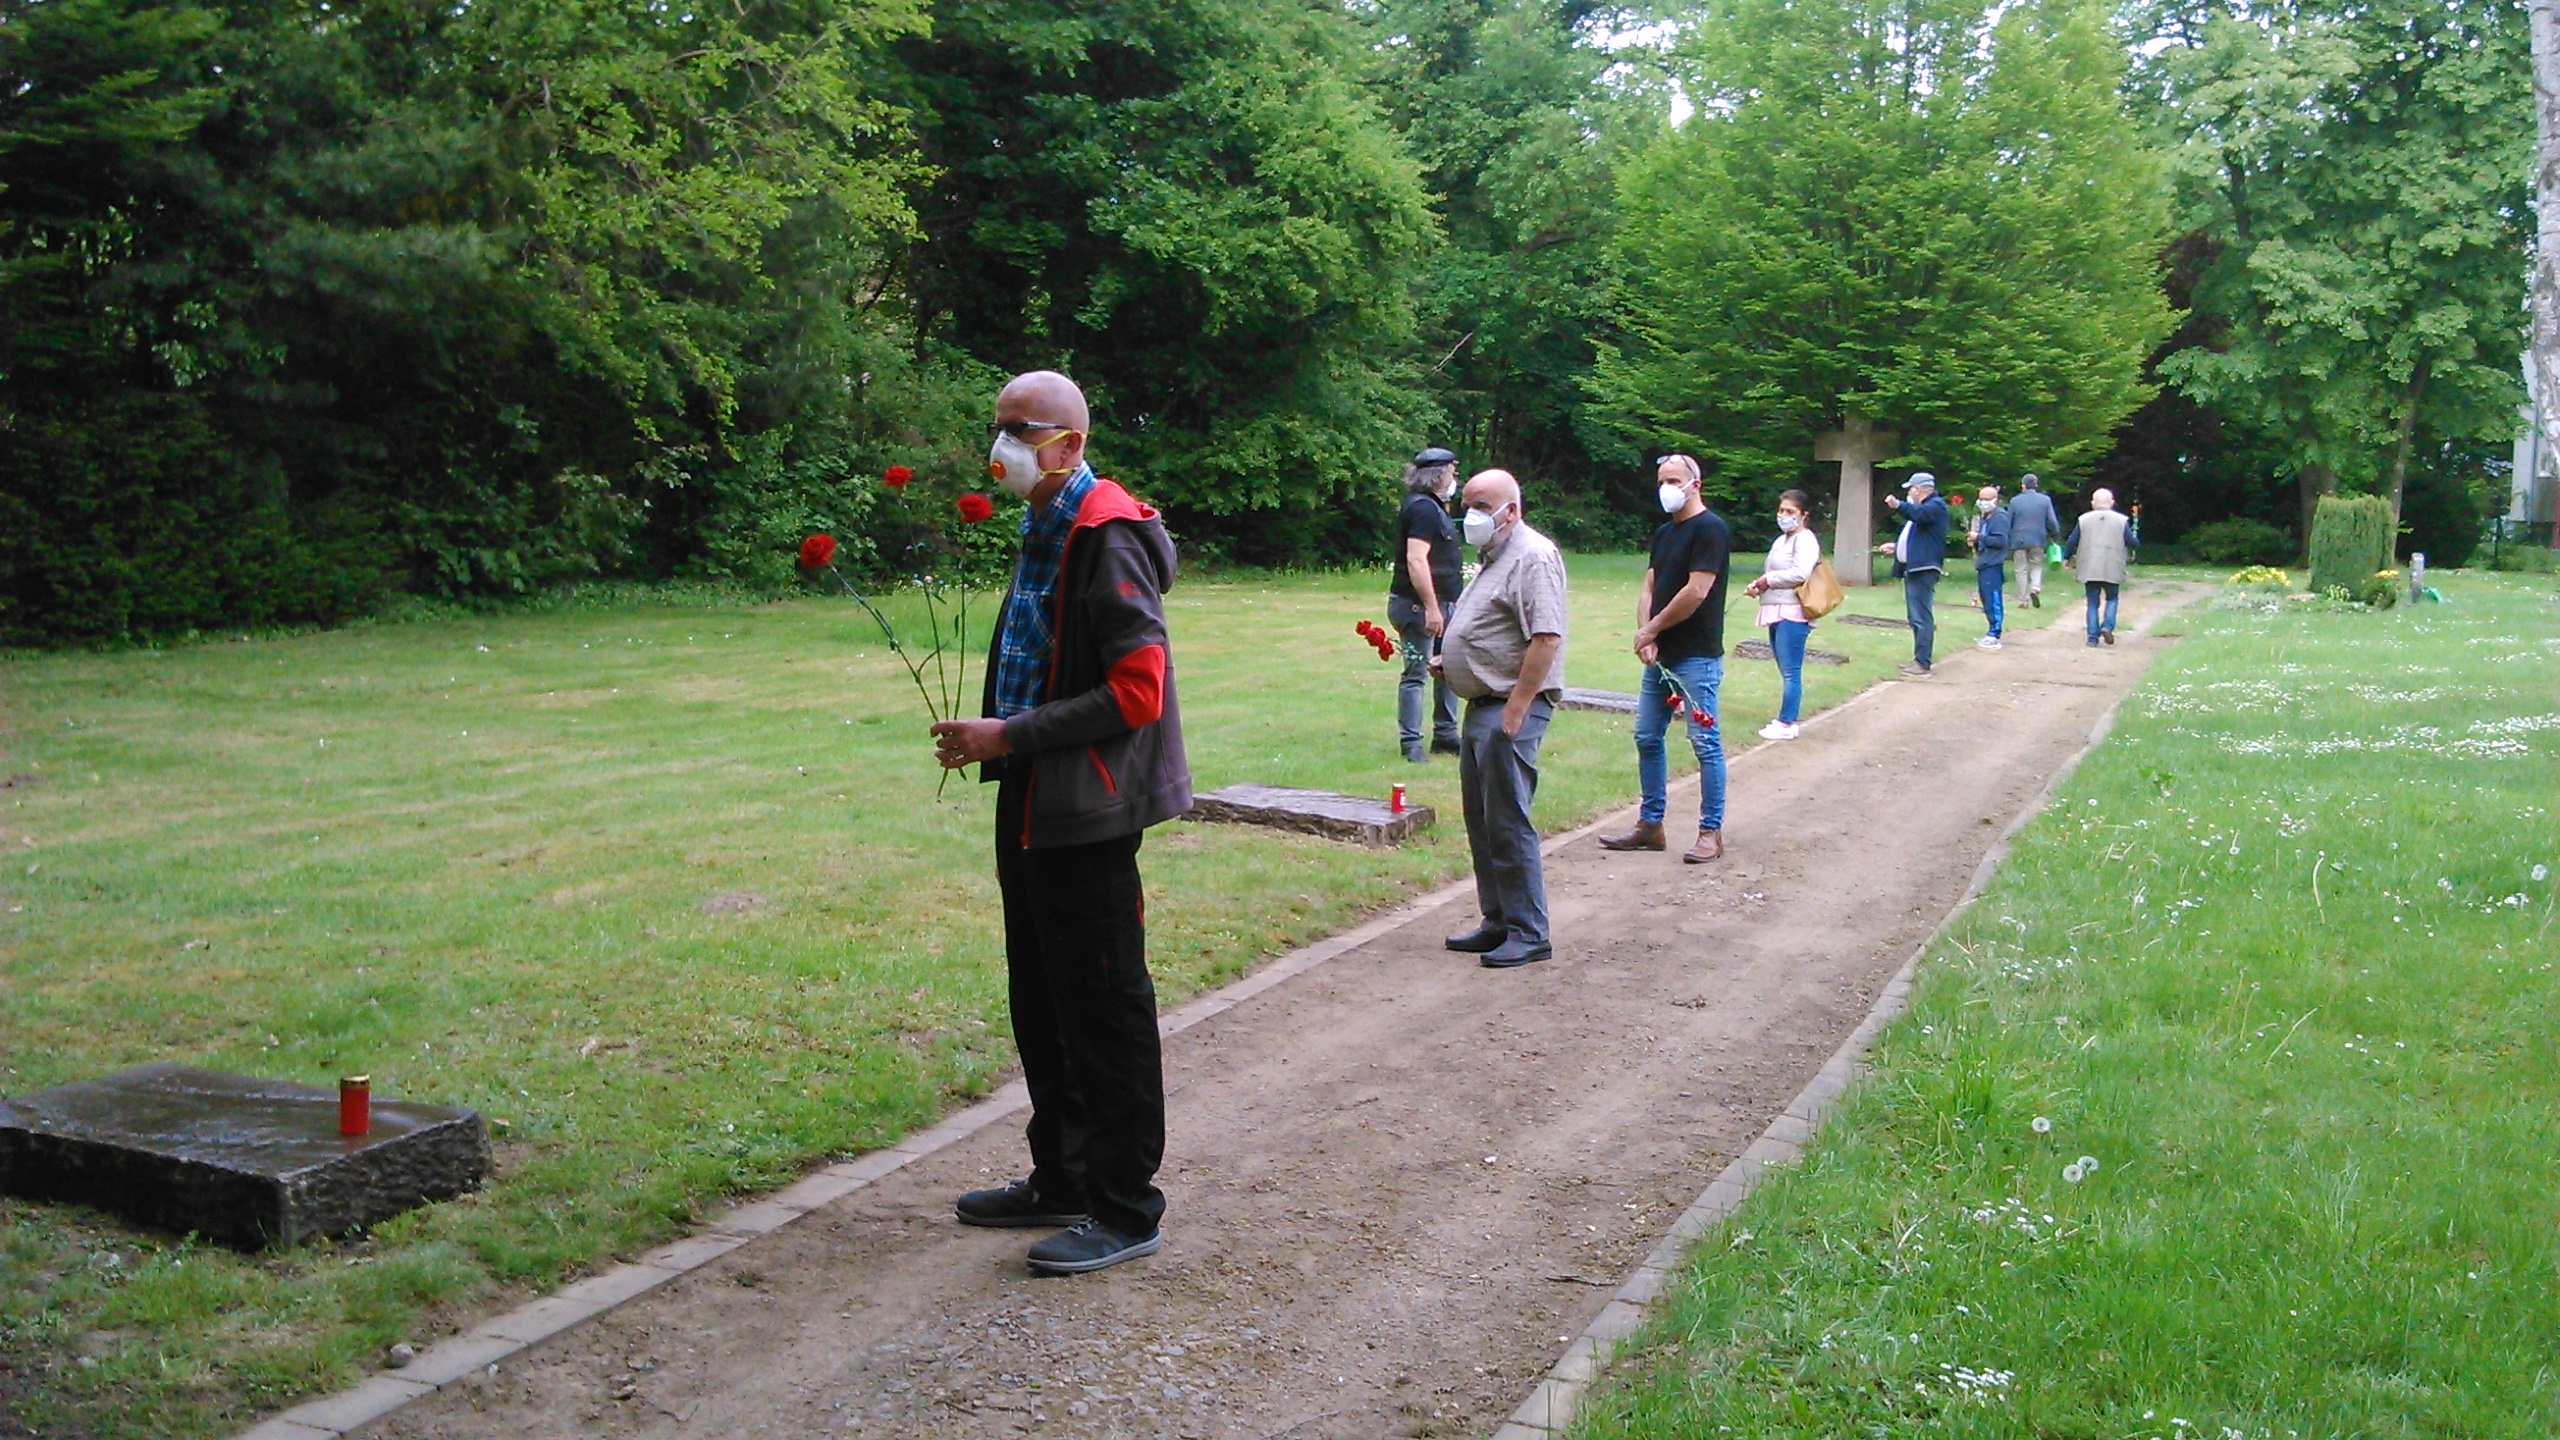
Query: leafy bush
(2351, 538)
(2527, 560)
(2261, 575)
(2240, 541)
(2381, 589)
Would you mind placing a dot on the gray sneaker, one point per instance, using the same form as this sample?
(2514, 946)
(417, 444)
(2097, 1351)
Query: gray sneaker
(1089, 1247)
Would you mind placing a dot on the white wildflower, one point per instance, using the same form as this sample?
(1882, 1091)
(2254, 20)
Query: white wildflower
(2041, 1125)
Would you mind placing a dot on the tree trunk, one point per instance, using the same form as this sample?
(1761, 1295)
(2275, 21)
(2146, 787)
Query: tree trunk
(2316, 480)
(2544, 17)
(2408, 430)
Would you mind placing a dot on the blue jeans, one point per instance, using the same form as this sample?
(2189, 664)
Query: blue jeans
(1919, 596)
(2095, 627)
(1991, 582)
(1497, 778)
(1406, 616)
(1786, 641)
(1699, 678)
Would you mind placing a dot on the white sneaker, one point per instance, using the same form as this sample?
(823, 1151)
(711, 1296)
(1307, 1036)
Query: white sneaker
(1777, 730)
(1987, 642)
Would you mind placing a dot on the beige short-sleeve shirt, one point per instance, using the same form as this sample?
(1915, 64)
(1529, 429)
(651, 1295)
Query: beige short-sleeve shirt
(1519, 594)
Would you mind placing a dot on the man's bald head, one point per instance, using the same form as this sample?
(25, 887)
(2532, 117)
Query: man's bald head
(2103, 498)
(1044, 395)
(1496, 488)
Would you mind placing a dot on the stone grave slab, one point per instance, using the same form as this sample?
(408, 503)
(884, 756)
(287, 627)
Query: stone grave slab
(1878, 622)
(1759, 650)
(1312, 812)
(239, 1160)
(1608, 702)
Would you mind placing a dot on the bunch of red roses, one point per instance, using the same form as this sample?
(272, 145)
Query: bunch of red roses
(1378, 638)
(946, 605)
(1677, 699)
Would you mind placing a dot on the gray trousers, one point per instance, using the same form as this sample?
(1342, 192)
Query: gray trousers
(1498, 776)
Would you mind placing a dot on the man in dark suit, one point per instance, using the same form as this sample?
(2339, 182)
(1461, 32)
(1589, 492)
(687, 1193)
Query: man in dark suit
(1919, 555)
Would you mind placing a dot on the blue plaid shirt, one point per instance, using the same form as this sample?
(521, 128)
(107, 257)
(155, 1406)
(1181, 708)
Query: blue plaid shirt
(1030, 635)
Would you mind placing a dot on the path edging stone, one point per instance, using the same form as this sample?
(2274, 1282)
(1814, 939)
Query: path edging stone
(1550, 1407)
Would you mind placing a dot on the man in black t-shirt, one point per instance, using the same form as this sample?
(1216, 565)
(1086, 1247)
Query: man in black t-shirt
(1680, 639)
(1421, 592)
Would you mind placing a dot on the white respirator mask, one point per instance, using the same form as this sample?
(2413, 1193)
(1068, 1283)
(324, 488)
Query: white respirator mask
(1478, 528)
(1015, 464)
(1672, 498)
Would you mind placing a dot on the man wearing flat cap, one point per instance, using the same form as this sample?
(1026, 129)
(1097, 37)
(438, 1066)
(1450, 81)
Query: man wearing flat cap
(1919, 557)
(1420, 594)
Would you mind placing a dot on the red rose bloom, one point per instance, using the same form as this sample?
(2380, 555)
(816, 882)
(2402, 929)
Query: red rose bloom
(897, 476)
(817, 552)
(975, 507)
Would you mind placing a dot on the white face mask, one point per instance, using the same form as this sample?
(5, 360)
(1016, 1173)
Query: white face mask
(1672, 497)
(1790, 524)
(1986, 506)
(1479, 527)
(1015, 465)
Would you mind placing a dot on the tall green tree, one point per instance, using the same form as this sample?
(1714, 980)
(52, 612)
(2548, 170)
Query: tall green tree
(1520, 118)
(2362, 174)
(300, 300)
(1195, 210)
(1935, 212)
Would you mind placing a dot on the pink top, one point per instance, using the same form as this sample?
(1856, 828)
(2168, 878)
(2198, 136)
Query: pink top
(1790, 564)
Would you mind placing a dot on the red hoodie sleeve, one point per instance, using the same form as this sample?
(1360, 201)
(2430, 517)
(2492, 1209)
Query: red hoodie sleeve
(1137, 682)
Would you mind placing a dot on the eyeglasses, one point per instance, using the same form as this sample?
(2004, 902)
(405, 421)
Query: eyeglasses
(1022, 429)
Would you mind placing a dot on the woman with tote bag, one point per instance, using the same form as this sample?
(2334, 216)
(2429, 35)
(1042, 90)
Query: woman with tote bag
(1783, 605)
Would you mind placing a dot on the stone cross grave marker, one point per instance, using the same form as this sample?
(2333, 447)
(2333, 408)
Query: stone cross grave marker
(1857, 445)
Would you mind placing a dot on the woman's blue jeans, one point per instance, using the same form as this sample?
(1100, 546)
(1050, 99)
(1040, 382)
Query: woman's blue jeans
(1786, 641)
(1699, 678)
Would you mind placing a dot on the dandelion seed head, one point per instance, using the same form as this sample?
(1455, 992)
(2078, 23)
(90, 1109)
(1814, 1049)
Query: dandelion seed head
(2041, 1125)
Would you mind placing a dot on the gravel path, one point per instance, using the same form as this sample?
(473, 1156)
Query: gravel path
(1398, 1181)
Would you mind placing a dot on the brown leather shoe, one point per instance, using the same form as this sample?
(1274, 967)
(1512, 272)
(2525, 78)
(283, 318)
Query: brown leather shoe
(1710, 846)
(1643, 837)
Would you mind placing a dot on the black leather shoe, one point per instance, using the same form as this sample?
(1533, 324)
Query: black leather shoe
(1479, 940)
(1089, 1247)
(1444, 747)
(1516, 952)
(1017, 1206)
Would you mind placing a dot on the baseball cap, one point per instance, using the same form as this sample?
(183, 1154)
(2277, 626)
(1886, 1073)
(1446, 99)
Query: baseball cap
(1436, 456)
(1920, 477)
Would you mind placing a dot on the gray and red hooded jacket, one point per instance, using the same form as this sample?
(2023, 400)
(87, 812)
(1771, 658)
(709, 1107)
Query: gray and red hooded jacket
(1101, 753)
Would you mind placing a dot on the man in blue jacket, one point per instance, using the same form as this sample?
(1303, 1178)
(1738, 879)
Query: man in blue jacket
(2032, 526)
(1919, 555)
(1990, 535)
(1084, 743)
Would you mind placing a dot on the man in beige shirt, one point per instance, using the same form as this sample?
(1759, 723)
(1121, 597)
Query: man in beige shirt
(1503, 653)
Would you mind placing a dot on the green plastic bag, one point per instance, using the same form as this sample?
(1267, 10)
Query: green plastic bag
(2053, 552)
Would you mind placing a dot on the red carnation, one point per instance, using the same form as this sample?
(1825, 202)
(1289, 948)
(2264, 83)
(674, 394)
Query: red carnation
(896, 477)
(975, 507)
(817, 552)
(1367, 630)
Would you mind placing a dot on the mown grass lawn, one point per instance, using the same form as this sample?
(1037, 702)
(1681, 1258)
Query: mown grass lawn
(471, 857)
(2228, 1110)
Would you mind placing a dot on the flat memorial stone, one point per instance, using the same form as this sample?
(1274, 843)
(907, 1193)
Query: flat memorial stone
(1759, 650)
(1612, 702)
(243, 1161)
(1312, 812)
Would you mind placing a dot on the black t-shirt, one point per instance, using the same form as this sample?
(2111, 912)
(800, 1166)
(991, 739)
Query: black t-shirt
(1701, 542)
(1423, 519)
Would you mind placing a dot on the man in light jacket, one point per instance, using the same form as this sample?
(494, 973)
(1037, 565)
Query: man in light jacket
(2099, 548)
(2032, 526)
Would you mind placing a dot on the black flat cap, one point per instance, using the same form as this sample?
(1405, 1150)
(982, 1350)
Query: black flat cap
(1436, 456)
